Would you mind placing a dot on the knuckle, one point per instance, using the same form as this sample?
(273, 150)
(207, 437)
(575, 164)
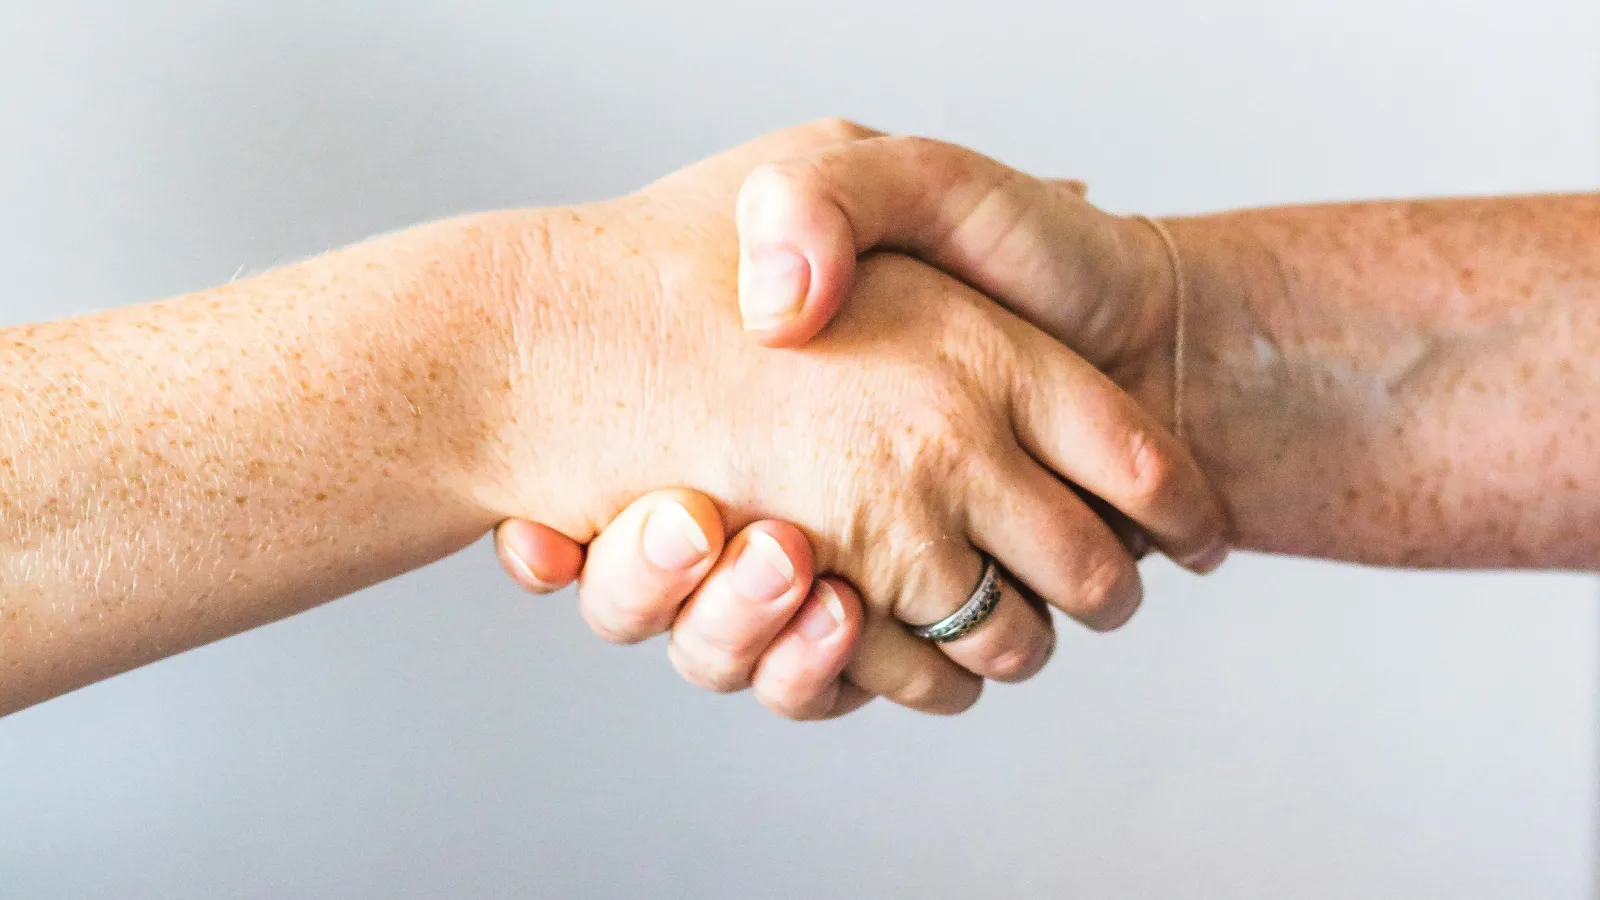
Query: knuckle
(1018, 663)
(929, 690)
(943, 167)
(713, 668)
(924, 151)
(609, 632)
(697, 673)
(620, 624)
(1152, 470)
(962, 699)
(1108, 595)
(725, 677)
(793, 714)
(940, 435)
(788, 701)
(772, 191)
(781, 177)
(836, 129)
(921, 689)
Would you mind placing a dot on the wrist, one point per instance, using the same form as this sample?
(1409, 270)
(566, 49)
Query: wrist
(1224, 275)
(1145, 365)
(1230, 280)
(444, 352)
(571, 389)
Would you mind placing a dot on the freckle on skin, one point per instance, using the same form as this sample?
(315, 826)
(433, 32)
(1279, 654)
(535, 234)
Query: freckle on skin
(1497, 292)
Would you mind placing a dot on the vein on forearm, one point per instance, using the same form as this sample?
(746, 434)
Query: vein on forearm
(1406, 383)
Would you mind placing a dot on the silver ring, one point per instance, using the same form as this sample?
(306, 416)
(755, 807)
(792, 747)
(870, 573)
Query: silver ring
(984, 598)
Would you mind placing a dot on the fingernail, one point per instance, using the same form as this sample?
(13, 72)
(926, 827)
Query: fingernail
(830, 599)
(763, 571)
(824, 616)
(775, 289)
(530, 580)
(672, 539)
(1207, 560)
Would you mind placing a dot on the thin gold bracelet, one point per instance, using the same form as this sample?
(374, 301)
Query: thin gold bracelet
(1180, 303)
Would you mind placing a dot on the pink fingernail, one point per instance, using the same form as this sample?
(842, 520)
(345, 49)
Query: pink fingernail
(773, 290)
(672, 539)
(530, 580)
(823, 617)
(763, 571)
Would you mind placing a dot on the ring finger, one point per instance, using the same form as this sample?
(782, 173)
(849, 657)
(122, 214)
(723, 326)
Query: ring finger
(1010, 643)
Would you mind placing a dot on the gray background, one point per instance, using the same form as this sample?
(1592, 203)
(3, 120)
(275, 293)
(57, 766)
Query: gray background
(1283, 729)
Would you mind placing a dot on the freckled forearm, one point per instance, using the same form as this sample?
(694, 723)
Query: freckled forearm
(177, 472)
(1402, 383)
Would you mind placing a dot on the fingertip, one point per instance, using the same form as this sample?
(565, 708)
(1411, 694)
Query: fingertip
(537, 557)
(797, 332)
(798, 675)
(843, 605)
(680, 529)
(791, 541)
(829, 622)
(646, 561)
(797, 254)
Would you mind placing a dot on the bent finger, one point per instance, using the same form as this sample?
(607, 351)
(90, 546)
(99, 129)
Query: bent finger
(1076, 421)
(798, 676)
(803, 221)
(731, 618)
(642, 565)
(537, 557)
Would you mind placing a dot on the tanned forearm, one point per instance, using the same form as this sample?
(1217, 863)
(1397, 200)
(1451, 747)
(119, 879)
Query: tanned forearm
(1407, 383)
(177, 472)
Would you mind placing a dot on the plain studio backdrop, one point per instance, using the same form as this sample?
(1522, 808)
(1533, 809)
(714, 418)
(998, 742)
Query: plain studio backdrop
(1283, 729)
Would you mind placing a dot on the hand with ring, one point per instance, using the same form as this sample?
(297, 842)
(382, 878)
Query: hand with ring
(1099, 283)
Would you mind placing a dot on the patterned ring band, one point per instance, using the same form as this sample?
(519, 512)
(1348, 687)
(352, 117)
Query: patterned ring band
(972, 613)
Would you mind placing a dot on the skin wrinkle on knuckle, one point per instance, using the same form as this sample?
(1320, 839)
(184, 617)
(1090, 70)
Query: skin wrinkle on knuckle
(723, 669)
(800, 712)
(834, 168)
(712, 677)
(693, 675)
(781, 707)
(1151, 470)
(1010, 228)
(784, 695)
(619, 624)
(1100, 589)
(955, 198)
(622, 634)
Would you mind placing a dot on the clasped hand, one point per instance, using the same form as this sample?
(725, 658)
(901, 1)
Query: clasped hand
(1001, 388)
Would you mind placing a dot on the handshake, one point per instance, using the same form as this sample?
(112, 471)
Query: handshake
(847, 414)
(973, 418)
